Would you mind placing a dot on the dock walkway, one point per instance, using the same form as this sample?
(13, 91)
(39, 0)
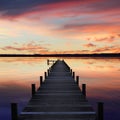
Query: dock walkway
(58, 98)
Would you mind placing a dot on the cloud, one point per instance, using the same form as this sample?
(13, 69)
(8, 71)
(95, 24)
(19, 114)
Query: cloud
(118, 35)
(64, 16)
(39, 49)
(21, 7)
(33, 48)
(89, 45)
(70, 52)
(30, 47)
(106, 39)
(63, 19)
(107, 49)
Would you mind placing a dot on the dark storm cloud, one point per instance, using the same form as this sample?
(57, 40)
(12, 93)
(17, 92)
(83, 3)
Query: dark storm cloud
(18, 7)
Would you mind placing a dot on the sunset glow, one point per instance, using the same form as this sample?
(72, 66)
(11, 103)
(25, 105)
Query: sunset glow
(59, 26)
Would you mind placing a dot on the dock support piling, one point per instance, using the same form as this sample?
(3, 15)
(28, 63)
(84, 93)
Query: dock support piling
(48, 72)
(71, 71)
(45, 74)
(84, 90)
(77, 80)
(14, 111)
(73, 75)
(47, 62)
(33, 89)
(100, 115)
(41, 80)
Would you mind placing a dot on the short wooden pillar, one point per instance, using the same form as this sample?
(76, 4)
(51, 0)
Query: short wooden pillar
(49, 69)
(33, 89)
(14, 111)
(41, 80)
(48, 72)
(73, 75)
(47, 62)
(45, 74)
(77, 80)
(84, 90)
(100, 114)
(68, 67)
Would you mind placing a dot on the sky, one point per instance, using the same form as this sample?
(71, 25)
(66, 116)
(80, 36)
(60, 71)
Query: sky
(59, 26)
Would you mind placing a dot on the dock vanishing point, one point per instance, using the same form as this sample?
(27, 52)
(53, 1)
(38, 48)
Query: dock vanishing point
(59, 97)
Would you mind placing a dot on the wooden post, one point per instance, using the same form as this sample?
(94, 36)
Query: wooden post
(84, 90)
(71, 71)
(77, 80)
(49, 69)
(41, 80)
(74, 75)
(48, 72)
(100, 115)
(47, 62)
(45, 74)
(14, 111)
(33, 89)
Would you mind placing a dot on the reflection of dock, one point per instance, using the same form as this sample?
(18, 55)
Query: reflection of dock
(58, 98)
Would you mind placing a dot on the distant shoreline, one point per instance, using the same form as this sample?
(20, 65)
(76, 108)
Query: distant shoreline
(62, 55)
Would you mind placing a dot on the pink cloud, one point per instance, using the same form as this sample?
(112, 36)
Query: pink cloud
(29, 47)
(106, 39)
(89, 45)
(107, 49)
(59, 8)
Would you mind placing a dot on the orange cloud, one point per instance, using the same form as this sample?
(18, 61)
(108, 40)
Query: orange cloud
(29, 47)
(107, 49)
(67, 19)
(89, 45)
(106, 39)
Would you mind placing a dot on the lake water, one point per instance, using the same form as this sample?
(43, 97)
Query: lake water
(102, 77)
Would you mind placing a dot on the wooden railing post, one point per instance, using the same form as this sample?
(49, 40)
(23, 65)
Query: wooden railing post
(47, 62)
(77, 80)
(45, 74)
(100, 114)
(33, 89)
(48, 72)
(84, 90)
(41, 80)
(14, 111)
(71, 71)
(73, 75)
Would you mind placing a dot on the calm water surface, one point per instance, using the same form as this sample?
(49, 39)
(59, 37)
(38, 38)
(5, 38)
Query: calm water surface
(102, 77)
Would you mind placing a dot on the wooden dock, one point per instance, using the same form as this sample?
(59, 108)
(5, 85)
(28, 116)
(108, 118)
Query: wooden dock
(58, 98)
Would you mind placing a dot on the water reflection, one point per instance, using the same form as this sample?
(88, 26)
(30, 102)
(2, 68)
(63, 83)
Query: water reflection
(100, 75)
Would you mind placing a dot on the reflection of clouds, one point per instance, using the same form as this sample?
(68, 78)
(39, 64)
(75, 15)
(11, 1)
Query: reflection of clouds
(108, 62)
(104, 67)
(118, 69)
(100, 66)
(22, 60)
(21, 70)
(90, 62)
(102, 77)
(16, 87)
